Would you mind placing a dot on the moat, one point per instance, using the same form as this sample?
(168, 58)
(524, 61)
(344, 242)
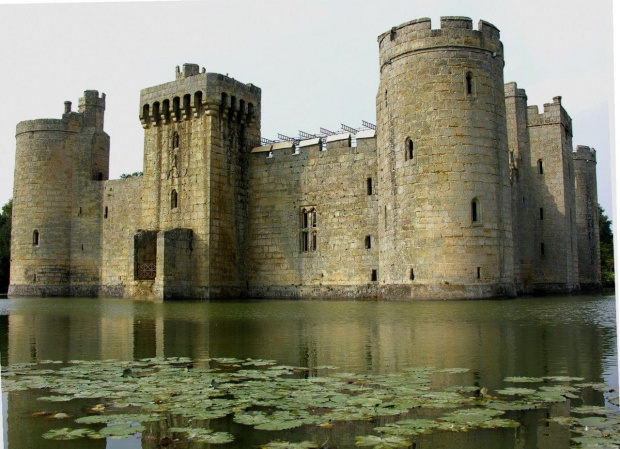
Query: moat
(360, 343)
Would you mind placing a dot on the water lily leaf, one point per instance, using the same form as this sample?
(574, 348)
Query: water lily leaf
(599, 422)
(287, 445)
(66, 434)
(201, 435)
(563, 379)
(523, 379)
(590, 410)
(454, 370)
(55, 398)
(120, 418)
(120, 430)
(592, 442)
(388, 442)
(516, 391)
(251, 418)
(280, 425)
(514, 405)
(471, 415)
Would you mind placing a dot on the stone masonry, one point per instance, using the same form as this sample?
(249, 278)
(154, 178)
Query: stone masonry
(461, 190)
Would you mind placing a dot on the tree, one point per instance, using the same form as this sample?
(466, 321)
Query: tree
(5, 245)
(607, 248)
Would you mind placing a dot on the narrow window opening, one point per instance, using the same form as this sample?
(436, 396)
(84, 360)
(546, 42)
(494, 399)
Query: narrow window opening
(411, 275)
(35, 238)
(80, 212)
(373, 275)
(408, 149)
(175, 140)
(176, 108)
(82, 247)
(540, 167)
(369, 186)
(100, 176)
(542, 249)
(368, 242)
(309, 229)
(187, 105)
(478, 273)
(174, 199)
(105, 212)
(34, 278)
(542, 215)
(386, 98)
(475, 211)
(469, 81)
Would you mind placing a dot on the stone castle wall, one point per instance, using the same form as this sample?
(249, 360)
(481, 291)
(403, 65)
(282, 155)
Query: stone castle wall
(463, 191)
(332, 256)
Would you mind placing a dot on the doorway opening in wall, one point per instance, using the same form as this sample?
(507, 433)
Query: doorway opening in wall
(145, 255)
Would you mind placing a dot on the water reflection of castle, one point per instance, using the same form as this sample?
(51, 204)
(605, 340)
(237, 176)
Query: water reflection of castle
(360, 337)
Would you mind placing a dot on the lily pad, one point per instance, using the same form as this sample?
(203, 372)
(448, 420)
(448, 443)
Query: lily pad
(67, 434)
(388, 442)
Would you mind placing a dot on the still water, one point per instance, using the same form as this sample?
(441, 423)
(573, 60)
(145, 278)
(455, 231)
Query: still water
(493, 339)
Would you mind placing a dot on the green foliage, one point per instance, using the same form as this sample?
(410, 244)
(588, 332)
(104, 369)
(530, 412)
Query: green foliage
(607, 248)
(5, 245)
(131, 175)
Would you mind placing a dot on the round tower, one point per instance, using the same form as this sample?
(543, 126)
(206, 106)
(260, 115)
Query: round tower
(444, 183)
(42, 204)
(586, 217)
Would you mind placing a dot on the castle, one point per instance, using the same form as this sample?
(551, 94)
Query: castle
(461, 190)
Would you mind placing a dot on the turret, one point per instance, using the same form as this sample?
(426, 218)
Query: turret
(444, 182)
(56, 204)
(587, 217)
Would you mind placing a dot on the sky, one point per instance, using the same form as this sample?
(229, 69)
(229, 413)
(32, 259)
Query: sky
(315, 61)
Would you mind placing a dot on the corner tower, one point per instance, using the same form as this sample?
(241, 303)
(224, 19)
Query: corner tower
(198, 131)
(444, 182)
(57, 194)
(587, 216)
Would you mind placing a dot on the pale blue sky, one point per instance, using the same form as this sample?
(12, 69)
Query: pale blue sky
(316, 62)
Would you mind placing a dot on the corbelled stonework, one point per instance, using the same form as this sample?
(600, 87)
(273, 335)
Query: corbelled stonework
(461, 191)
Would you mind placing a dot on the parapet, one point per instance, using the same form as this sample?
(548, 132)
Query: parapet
(511, 90)
(417, 35)
(553, 113)
(584, 153)
(90, 113)
(91, 98)
(194, 93)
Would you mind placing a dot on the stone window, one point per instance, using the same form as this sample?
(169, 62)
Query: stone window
(478, 273)
(542, 249)
(411, 275)
(409, 153)
(100, 177)
(309, 229)
(542, 214)
(174, 199)
(176, 108)
(541, 170)
(373, 275)
(175, 140)
(475, 211)
(469, 83)
(105, 212)
(369, 186)
(368, 242)
(35, 237)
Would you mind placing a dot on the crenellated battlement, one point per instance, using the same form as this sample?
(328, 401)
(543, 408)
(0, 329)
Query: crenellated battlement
(194, 94)
(584, 153)
(511, 90)
(418, 35)
(553, 113)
